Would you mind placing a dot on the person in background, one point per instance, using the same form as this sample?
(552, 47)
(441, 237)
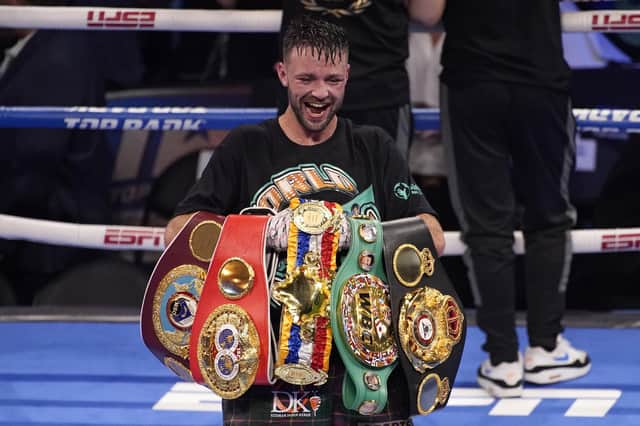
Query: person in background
(508, 129)
(426, 157)
(55, 174)
(378, 92)
(365, 165)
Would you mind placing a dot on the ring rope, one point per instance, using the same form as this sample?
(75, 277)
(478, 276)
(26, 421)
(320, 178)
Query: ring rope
(233, 21)
(184, 118)
(107, 237)
(117, 237)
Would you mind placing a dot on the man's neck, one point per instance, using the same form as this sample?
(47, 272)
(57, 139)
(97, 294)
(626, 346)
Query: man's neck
(297, 133)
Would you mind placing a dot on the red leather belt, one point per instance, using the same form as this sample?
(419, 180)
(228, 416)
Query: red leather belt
(174, 289)
(231, 343)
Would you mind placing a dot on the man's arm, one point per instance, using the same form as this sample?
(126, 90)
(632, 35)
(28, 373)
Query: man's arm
(437, 235)
(427, 12)
(174, 226)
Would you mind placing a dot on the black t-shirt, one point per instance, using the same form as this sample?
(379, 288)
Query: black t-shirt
(257, 165)
(379, 46)
(504, 40)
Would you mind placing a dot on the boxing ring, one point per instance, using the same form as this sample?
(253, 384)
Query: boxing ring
(88, 369)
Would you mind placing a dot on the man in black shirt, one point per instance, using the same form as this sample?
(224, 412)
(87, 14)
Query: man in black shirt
(508, 127)
(378, 91)
(309, 152)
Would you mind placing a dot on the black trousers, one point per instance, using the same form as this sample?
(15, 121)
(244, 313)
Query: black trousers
(511, 150)
(397, 121)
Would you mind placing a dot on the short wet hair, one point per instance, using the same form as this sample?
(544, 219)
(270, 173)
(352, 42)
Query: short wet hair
(324, 39)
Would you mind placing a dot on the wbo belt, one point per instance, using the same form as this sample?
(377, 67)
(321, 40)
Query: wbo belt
(361, 320)
(231, 343)
(305, 329)
(173, 291)
(429, 324)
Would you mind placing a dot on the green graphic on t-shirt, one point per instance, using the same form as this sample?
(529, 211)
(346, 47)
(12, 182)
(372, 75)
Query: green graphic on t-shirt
(403, 190)
(303, 181)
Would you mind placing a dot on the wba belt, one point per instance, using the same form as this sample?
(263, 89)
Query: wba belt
(231, 343)
(305, 330)
(429, 324)
(361, 320)
(174, 290)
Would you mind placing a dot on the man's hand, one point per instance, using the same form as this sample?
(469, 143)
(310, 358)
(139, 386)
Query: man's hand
(174, 226)
(427, 12)
(437, 235)
(278, 231)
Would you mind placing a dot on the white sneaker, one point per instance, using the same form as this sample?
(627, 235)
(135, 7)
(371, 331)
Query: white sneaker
(563, 363)
(503, 380)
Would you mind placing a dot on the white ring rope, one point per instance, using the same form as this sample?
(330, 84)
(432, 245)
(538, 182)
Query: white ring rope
(107, 237)
(116, 237)
(234, 21)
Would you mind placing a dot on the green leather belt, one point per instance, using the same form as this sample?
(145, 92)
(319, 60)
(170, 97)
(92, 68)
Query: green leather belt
(429, 325)
(361, 320)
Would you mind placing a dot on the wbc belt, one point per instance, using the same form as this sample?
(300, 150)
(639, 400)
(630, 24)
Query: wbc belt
(361, 320)
(173, 292)
(429, 324)
(231, 340)
(305, 330)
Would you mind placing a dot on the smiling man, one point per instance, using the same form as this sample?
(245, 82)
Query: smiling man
(316, 87)
(309, 152)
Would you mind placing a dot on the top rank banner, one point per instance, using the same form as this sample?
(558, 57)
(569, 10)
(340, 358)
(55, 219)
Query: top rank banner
(200, 118)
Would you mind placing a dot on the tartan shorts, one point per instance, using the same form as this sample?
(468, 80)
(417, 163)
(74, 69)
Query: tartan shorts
(287, 404)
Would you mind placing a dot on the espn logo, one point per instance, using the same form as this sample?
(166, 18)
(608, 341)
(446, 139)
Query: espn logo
(133, 237)
(120, 19)
(620, 242)
(615, 21)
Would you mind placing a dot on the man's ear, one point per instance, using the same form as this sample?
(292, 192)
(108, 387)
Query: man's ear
(282, 74)
(348, 71)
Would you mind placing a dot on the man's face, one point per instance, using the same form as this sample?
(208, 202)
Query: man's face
(315, 87)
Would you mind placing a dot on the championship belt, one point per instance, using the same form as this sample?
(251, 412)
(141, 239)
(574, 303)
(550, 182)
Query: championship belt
(305, 330)
(231, 344)
(361, 320)
(174, 289)
(429, 324)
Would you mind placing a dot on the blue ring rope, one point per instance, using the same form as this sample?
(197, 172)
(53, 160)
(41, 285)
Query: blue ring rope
(181, 118)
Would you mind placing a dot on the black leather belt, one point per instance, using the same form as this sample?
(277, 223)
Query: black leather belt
(429, 323)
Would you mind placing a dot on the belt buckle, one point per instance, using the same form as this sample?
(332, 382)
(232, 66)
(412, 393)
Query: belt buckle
(429, 326)
(313, 217)
(301, 374)
(364, 311)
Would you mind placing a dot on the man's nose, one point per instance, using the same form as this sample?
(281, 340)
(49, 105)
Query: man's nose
(320, 90)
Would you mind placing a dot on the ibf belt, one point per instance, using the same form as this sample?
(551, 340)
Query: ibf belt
(231, 344)
(430, 326)
(174, 289)
(305, 329)
(361, 320)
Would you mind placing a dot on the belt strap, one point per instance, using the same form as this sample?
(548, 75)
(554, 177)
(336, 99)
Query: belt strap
(429, 324)
(305, 331)
(361, 320)
(231, 343)
(174, 289)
